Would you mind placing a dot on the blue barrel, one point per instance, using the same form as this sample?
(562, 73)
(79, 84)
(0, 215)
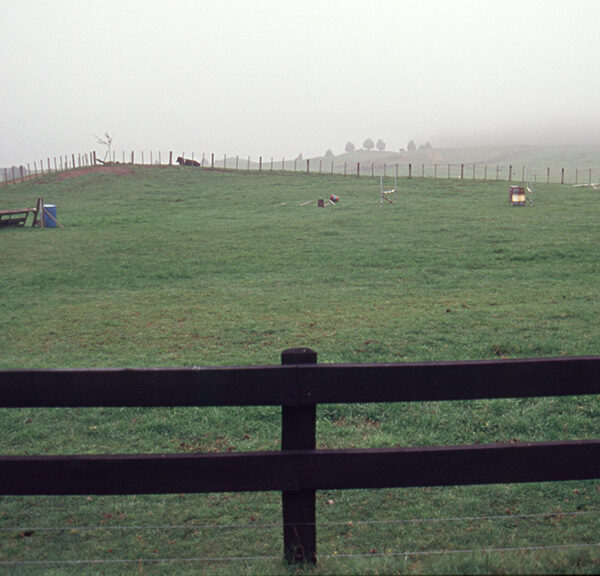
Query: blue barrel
(50, 218)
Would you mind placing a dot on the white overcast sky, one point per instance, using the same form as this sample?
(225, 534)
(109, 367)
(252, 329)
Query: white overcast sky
(279, 77)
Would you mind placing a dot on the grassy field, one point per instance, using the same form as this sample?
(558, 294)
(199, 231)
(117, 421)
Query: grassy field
(179, 267)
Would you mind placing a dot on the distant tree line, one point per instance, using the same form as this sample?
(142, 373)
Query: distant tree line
(368, 144)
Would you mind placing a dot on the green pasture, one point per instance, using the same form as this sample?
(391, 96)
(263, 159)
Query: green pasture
(188, 267)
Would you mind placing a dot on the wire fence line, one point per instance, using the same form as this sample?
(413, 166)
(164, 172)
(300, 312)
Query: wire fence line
(221, 559)
(551, 173)
(331, 555)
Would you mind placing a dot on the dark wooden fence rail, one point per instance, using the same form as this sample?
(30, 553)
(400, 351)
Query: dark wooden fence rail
(298, 469)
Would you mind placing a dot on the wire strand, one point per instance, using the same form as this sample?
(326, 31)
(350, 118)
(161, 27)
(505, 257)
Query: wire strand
(321, 556)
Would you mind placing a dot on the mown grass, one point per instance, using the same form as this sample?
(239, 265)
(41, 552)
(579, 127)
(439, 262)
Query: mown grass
(169, 267)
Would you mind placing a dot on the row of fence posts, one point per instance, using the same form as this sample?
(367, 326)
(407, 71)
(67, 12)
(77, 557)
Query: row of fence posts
(439, 170)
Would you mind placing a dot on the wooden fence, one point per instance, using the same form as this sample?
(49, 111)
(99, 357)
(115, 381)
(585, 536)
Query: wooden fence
(463, 171)
(299, 469)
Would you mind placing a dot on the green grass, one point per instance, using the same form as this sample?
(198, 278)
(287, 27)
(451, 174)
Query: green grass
(176, 267)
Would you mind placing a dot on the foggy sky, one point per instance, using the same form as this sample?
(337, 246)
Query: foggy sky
(279, 77)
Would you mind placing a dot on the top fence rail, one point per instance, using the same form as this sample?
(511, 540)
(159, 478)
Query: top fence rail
(300, 384)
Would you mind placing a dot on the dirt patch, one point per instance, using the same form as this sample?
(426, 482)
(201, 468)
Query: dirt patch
(118, 170)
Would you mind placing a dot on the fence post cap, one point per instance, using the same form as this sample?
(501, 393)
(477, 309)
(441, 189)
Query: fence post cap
(299, 356)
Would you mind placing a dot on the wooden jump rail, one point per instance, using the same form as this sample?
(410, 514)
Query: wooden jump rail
(299, 469)
(19, 216)
(16, 217)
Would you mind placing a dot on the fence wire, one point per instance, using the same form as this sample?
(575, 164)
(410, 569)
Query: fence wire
(389, 553)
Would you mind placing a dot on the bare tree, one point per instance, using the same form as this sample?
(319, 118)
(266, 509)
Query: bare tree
(107, 141)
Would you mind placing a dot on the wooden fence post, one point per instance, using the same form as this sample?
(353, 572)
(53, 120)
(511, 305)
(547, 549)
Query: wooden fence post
(410, 170)
(308, 165)
(562, 175)
(298, 431)
(260, 163)
(510, 173)
(358, 169)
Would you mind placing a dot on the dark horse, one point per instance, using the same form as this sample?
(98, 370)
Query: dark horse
(187, 162)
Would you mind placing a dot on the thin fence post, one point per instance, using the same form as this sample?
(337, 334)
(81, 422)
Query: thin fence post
(5, 176)
(22, 173)
(260, 163)
(510, 173)
(485, 173)
(212, 159)
(548, 175)
(358, 169)
(308, 165)
(462, 171)
(345, 165)
(410, 170)
(298, 432)
(170, 158)
(562, 175)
